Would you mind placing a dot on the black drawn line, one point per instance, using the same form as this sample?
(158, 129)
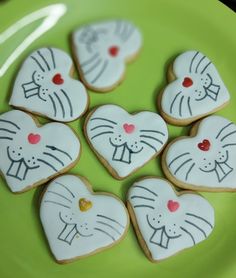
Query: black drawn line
(190, 67)
(56, 203)
(41, 67)
(226, 145)
(200, 61)
(150, 130)
(172, 103)
(7, 130)
(97, 118)
(187, 232)
(223, 138)
(205, 67)
(93, 67)
(194, 225)
(47, 163)
(111, 219)
(60, 102)
(181, 165)
(61, 184)
(53, 148)
(5, 137)
(99, 134)
(106, 233)
(108, 126)
(56, 158)
(201, 218)
(129, 33)
(189, 107)
(142, 187)
(89, 60)
(222, 129)
(9, 122)
(53, 57)
(141, 197)
(153, 138)
(117, 28)
(45, 61)
(144, 206)
(69, 102)
(180, 106)
(108, 225)
(54, 105)
(101, 72)
(189, 170)
(148, 144)
(58, 194)
(177, 157)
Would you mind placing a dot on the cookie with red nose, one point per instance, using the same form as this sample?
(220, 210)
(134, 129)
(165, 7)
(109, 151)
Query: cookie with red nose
(167, 222)
(44, 86)
(195, 89)
(206, 159)
(124, 142)
(102, 50)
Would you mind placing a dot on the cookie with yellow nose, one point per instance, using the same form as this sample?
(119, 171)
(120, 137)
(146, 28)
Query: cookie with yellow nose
(78, 222)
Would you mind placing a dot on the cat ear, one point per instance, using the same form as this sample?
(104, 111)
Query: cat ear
(50, 15)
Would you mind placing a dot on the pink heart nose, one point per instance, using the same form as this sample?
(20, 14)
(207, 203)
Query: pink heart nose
(172, 205)
(34, 138)
(129, 128)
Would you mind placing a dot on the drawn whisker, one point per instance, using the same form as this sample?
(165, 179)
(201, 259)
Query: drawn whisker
(104, 232)
(110, 226)
(44, 60)
(53, 148)
(53, 105)
(118, 26)
(101, 72)
(38, 63)
(151, 137)
(205, 67)
(182, 165)
(60, 195)
(93, 67)
(199, 63)
(149, 145)
(194, 225)
(191, 63)
(173, 102)
(142, 197)
(187, 232)
(111, 219)
(189, 106)
(53, 57)
(147, 189)
(189, 171)
(227, 145)
(200, 218)
(177, 157)
(180, 106)
(124, 32)
(61, 104)
(68, 101)
(154, 131)
(222, 129)
(144, 206)
(101, 126)
(102, 133)
(54, 157)
(227, 135)
(6, 138)
(48, 164)
(103, 119)
(66, 188)
(57, 203)
(8, 130)
(129, 34)
(90, 60)
(10, 122)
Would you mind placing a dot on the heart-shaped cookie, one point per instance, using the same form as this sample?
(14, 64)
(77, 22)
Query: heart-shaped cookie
(44, 86)
(195, 89)
(102, 50)
(78, 222)
(205, 160)
(122, 141)
(30, 155)
(167, 222)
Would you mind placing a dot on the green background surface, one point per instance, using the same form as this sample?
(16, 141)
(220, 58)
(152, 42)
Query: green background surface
(168, 28)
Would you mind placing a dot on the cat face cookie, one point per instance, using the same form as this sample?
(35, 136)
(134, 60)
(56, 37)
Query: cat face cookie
(167, 222)
(195, 89)
(205, 160)
(30, 155)
(44, 86)
(79, 222)
(102, 50)
(122, 141)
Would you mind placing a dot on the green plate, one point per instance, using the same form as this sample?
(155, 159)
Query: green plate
(168, 28)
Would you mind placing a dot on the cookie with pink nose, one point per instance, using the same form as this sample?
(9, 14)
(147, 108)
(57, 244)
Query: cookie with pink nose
(125, 142)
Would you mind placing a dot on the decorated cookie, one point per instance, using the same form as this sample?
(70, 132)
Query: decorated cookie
(167, 222)
(44, 86)
(30, 154)
(122, 141)
(102, 51)
(79, 222)
(206, 160)
(195, 89)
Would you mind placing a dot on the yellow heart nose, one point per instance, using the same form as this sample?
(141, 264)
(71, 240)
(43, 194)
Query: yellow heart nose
(84, 204)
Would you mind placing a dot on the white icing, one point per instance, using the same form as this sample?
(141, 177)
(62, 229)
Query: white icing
(214, 168)
(124, 151)
(206, 93)
(92, 42)
(74, 233)
(167, 231)
(22, 154)
(35, 90)
(50, 14)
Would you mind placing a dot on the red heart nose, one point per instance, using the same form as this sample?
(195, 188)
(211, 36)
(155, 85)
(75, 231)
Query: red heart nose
(129, 128)
(204, 145)
(57, 79)
(188, 82)
(34, 138)
(113, 51)
(172, 205)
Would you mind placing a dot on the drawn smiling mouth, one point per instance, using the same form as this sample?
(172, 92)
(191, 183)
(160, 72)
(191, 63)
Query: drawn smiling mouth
(123, 153)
